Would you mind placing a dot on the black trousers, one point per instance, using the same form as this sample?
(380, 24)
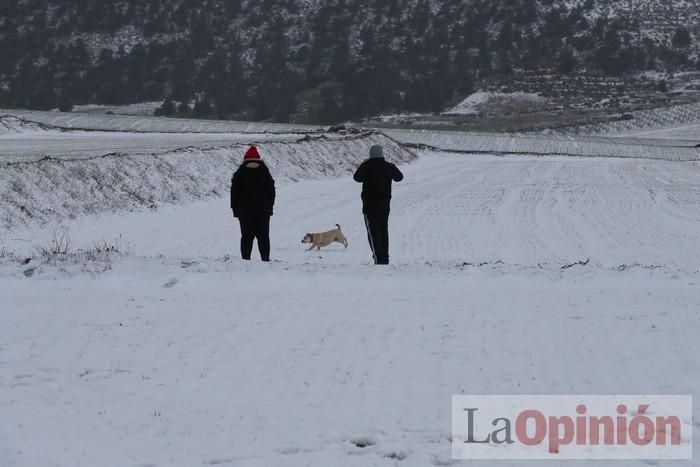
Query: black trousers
(378, 236)
(255, 227)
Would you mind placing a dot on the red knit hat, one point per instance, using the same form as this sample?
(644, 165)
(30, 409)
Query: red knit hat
(252, 153)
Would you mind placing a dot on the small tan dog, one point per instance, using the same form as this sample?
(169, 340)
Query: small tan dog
(318, 240)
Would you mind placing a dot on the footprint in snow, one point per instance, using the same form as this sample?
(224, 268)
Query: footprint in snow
(29, 272)
(219, 461)
(292, 450)
(364, 442)
(171, 283)
(398, 455)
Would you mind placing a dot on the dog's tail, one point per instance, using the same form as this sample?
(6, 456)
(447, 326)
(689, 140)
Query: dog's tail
(338, 225)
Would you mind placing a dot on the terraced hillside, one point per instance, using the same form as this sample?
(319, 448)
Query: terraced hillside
(323, 61)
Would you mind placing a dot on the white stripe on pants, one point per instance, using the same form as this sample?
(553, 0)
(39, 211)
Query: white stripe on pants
(371, 240)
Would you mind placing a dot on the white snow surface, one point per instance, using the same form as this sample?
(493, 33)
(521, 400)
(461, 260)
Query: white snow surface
(484, 102)
(172, 351)
(149, 124)
(79, 144)
(144, 109)
(685, 132)
(176, 353)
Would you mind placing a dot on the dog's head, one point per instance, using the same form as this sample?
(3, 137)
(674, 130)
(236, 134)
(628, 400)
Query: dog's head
(308, 238)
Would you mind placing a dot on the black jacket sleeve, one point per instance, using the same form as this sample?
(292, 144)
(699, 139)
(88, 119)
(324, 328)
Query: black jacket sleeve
(272, 193)
(396, 174)
(359, 176)
(235, 191)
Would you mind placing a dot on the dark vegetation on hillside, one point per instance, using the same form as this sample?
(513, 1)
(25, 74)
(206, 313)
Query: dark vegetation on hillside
(320, 60)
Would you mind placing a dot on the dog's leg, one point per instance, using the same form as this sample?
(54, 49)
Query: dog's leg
(311, 247)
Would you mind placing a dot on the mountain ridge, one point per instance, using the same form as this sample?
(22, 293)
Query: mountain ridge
(285, 60)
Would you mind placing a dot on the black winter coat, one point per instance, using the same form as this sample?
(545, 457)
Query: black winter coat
(252, 190)
(376, 176)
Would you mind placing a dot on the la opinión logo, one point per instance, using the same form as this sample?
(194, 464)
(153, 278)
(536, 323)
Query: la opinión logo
(572, 427)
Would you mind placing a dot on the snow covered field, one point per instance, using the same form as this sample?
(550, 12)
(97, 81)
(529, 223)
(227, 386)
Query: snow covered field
(675, 122)
(550, 145)
(454, 208)
(686, 132)
(84, 144)
(174, 352)
(96, 122)
(498, 103)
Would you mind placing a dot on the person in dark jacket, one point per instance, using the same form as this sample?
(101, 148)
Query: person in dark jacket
(376, 176)
(252, 201)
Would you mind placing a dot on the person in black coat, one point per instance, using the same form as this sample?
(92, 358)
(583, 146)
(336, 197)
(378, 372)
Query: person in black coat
(376, 176)
(252, 202)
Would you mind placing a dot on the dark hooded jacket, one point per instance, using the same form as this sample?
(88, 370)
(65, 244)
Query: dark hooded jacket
(376, 176)
(252, 190)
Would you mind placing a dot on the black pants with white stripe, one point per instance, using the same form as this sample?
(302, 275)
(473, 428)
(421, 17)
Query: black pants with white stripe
(378, 236)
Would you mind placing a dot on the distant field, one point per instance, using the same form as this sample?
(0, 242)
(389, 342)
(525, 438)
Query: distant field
(689, 132)
(80, 144)
(675, 122)
(152, 135)
(87, 121)
(546, 145)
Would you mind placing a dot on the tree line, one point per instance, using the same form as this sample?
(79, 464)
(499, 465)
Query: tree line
(279, 59)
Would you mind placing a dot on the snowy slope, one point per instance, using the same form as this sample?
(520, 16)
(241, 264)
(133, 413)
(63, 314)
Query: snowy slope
(179, 354)
(66, 187)
(12, 125)
(23, 140)
(547, 145)
(79, 144)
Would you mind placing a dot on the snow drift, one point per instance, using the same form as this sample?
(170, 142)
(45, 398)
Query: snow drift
(11, 125)
(58, 189)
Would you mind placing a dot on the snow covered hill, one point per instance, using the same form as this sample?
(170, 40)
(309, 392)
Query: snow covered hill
(337, 60)
(57, 188)
(498, 103)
